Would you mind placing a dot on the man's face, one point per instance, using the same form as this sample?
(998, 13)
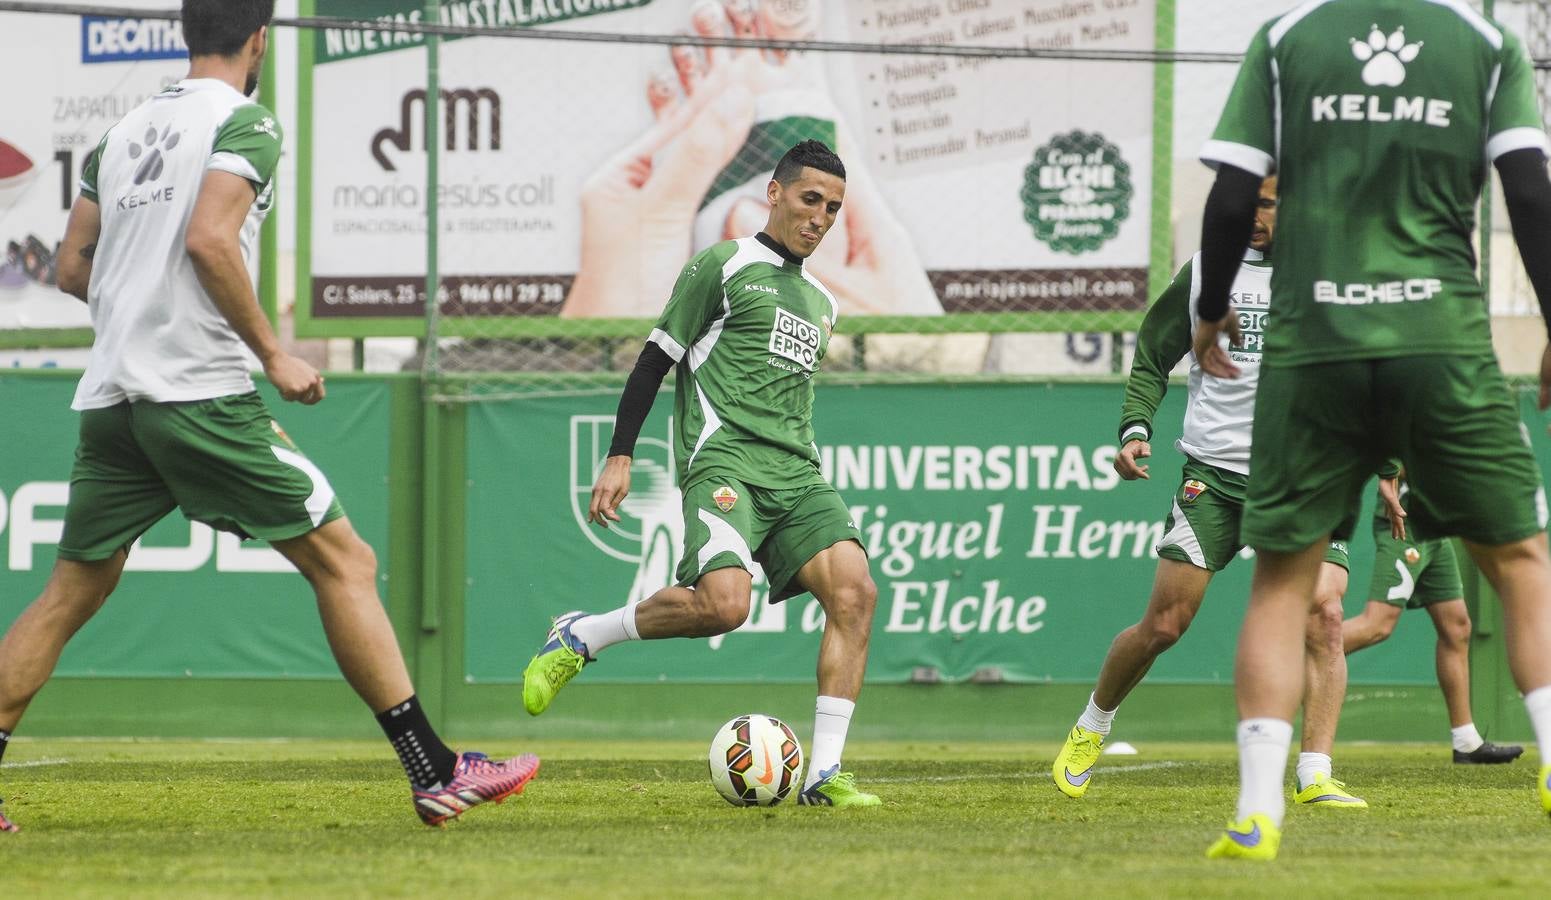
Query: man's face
(257, 45)
(802, 212)
(1265, 216)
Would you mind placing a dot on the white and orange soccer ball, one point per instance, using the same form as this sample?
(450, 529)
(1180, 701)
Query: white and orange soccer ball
(755, 761)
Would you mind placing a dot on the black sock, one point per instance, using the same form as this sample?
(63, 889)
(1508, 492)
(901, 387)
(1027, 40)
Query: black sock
(427, 761)
(5, 740)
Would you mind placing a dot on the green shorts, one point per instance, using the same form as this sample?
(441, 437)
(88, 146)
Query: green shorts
(224, 462)
(1202, 528)
(1414, 574)
(785, 527)
(1450, 419)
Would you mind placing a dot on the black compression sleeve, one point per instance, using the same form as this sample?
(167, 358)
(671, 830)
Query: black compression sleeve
(1527, 194)
(640, 390)
(1226, 227)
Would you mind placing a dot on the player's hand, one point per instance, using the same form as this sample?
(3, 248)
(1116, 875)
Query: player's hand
(1389, 495)
(1545, 380)
(1209, 351)
(1126, 460)
(295, 379)
(610, 490)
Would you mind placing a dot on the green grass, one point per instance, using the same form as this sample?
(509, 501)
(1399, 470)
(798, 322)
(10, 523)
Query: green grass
(332, 819)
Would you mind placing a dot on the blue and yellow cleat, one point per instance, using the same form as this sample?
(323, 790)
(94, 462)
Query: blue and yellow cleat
(1328, 792)
(838, 789)
(557, 662)
(1074, 764)
(1545, 789)
(1257, 837)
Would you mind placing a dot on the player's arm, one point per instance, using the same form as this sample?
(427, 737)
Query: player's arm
(1527, 194)
(635, 403)
(1243, 150)
(1389, 495)
(1226, 227)
(213, 242)
(1161, 342)
(79, 247)
(82, 231)
(696, 296)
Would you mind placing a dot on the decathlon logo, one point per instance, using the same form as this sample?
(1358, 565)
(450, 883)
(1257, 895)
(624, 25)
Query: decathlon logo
(1386, 57)
(796, 339)
(122, 40)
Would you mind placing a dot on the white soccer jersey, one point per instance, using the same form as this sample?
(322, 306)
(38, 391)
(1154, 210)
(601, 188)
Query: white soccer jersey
(1219, 412)
(159, 337)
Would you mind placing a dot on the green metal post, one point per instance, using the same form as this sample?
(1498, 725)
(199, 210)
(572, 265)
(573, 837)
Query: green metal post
(430, 612)
(269, 242)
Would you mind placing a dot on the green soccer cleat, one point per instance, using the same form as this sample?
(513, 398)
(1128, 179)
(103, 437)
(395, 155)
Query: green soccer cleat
(838, 789)
(1545, 789)
(1328, 792)
(1074, 764)
(1254, 838)
(557, 662)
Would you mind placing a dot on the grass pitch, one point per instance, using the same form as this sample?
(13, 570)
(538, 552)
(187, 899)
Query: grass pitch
(612, 819)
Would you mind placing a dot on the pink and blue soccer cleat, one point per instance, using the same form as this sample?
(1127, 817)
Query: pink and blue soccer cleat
(475, 780)
(6, 825)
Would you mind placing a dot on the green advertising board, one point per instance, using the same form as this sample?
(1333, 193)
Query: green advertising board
(1003, 543)
(193, 603)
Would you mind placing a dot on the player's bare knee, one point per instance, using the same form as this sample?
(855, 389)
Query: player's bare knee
(1455, 630)
(852, 604)
(722, 611)
(1163, 631)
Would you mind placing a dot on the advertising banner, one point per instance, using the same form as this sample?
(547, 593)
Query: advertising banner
(193, 602)
(1003, 544)
(576, 178)
(97, 70)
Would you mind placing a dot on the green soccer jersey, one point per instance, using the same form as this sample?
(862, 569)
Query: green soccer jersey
(748, 328)
(1380, 118)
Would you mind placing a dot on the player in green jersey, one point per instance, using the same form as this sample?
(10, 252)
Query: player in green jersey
(1411, 571)
(160, 245)
(747, 327)
(1380, 118)
(1202, 531)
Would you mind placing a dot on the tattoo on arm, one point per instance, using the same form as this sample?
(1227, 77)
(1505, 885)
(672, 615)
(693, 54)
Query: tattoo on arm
(89, 251)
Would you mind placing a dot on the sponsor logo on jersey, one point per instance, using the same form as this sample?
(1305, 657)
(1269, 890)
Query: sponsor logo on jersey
(1193, 489)
(123, 40)
(761, 287)
(1384, 58)
(150, 155)
(267, 126)
(795, 338)
(1411, 289)
(1412, 556)
(1339, 546)
(725, 498)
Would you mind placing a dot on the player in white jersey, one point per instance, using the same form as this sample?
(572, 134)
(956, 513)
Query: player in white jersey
(159, 245)
(1202, 530)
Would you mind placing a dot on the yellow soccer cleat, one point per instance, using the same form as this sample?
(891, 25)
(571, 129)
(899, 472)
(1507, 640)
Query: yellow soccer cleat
(1545, 789)
(1254, 838)
(1074, 764)
(1328, 792)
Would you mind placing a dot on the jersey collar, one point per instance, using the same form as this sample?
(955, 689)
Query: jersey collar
(1253, 257)
(779, 249)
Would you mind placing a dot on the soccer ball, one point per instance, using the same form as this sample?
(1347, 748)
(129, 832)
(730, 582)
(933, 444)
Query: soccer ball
(755, 761)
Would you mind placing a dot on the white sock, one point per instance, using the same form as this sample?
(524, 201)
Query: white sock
(831, 720)
(1095, 719)
(1310, 764)
(1263, 746)
(606, 629)
(1538, 704)
(1466, 738)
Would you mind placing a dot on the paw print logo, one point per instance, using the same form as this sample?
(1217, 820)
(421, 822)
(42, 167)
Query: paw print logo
(1386, 57)
(151, 167)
